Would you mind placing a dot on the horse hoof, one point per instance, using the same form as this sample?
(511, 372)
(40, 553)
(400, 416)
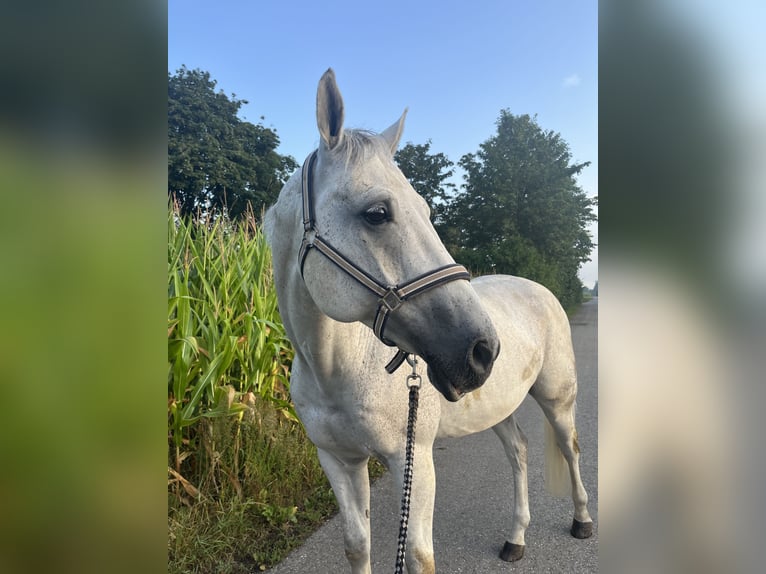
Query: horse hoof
(512, 552)
(581, 529)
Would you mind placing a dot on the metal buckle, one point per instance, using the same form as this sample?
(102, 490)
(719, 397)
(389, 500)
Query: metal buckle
(391, 300)
(309, 236)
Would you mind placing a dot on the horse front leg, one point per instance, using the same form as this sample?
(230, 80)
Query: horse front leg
(419, 556)
(351, 485)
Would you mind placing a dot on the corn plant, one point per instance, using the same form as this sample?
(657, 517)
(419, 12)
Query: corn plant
(226, 344)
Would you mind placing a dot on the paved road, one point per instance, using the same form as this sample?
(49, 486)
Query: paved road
(470, 526)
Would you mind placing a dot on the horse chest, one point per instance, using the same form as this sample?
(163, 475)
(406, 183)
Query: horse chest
(355, 420)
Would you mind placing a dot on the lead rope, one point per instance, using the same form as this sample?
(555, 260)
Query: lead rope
(413, 382)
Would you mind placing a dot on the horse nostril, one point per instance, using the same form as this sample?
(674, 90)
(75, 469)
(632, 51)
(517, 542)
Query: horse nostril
(482, 356)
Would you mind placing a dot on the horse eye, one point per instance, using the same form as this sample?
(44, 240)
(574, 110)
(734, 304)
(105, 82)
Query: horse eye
(376, 215)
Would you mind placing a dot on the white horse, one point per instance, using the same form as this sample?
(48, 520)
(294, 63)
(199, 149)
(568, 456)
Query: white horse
(346, 227)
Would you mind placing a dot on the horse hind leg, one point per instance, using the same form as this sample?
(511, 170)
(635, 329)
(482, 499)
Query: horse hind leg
(515, 445)
(559, 410)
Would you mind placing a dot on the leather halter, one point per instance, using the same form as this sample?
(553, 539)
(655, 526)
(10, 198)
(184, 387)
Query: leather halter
(390, 297)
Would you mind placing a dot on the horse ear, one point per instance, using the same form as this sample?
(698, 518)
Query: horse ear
(393, 133)
(329, 110)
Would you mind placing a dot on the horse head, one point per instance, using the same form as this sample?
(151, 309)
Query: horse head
(384, 264)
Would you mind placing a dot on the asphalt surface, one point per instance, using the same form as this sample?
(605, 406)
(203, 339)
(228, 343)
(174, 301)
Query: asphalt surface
(474, 495)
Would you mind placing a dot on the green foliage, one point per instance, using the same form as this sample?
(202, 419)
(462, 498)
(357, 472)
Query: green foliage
(217, 161)
(428, 173)
(225, 338)
(262, 493)
(244, 480)
(521, 210)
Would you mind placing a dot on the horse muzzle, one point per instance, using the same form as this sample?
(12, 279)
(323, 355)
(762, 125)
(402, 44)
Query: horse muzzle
(453, 376)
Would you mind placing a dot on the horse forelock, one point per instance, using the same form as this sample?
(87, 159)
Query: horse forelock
(358, 145)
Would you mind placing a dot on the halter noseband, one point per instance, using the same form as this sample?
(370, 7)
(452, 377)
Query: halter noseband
(390, 297)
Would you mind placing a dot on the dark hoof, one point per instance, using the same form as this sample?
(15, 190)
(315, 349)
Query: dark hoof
(581, 529)
(512, 552)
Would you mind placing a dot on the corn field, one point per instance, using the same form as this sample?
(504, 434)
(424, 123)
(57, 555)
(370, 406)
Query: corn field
(244, 481)
(227, 348)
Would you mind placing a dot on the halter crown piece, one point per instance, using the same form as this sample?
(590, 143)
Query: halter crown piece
(390, 297)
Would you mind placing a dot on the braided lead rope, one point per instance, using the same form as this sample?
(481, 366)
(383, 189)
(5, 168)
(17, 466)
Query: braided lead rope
(413, 382)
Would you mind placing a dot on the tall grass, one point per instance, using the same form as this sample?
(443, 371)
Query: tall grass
(244, 481)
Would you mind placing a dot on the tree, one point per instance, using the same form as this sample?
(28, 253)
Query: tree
(521, 211)
(217, 161)
(428, 173)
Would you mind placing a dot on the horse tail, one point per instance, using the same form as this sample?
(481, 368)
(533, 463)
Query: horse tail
(557, 478)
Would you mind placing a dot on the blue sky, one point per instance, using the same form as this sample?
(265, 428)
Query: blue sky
(454, 64)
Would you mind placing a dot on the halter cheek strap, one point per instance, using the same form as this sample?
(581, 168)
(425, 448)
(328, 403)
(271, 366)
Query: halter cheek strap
(390, 297)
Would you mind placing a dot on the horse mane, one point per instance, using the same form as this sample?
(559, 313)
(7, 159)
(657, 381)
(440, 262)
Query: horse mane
(356, 144)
